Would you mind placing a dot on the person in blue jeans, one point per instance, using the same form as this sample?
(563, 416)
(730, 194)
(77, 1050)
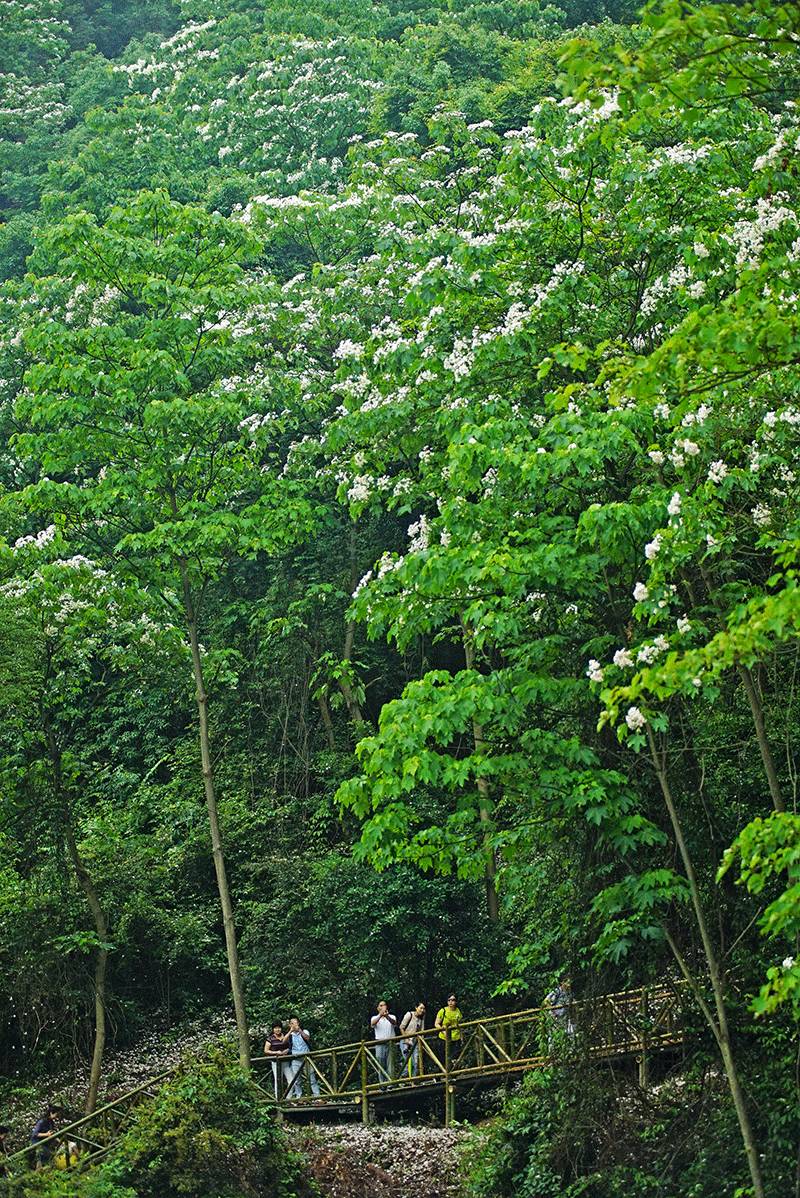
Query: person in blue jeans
(299, 1046)
(384, 1027)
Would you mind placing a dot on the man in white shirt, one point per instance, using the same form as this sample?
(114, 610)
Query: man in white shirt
(384, 1027)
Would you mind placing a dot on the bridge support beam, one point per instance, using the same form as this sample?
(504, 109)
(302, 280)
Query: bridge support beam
(364, 1095)
(644, 1069)
(449, 1103)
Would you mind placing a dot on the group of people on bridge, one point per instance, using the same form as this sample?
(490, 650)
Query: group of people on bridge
(290, 1047)
(397, 1044)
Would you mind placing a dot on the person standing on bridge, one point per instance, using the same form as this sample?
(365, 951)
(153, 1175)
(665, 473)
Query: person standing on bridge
(559, 1004)
(277, 1045)
(299, 1047)
(384, 1026)
(413, 1021)
(448, 1021)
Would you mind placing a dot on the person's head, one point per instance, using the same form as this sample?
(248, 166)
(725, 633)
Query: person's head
(294, 1024)
(53, 1112)
(277, 1028)
(383, 1007)
(419, 1009)
(452, 1002)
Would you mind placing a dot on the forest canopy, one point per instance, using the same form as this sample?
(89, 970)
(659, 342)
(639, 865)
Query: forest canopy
(399, 526)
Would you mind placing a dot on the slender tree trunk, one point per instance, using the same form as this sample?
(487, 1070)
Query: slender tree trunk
(100, 969)
(757, 710)
(351, 702)
(327, 722)
(719, 1022)
(484, 797)
(237, 988)
(84, 880)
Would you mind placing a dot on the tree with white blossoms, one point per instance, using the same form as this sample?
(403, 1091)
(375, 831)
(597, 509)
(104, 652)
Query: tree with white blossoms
(67, 626)
(141, 361)
(578, 440)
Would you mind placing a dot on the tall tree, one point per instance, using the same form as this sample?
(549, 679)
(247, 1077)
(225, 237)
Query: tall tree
(135, 401)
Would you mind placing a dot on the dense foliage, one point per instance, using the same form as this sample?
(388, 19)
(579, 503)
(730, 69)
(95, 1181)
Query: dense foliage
(400, 413)
(205, 1133)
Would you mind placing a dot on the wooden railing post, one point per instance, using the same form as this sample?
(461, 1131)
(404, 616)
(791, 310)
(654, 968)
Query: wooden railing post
(643, 1062)
(334, 1072)
(447, 1096)
(364, 1095)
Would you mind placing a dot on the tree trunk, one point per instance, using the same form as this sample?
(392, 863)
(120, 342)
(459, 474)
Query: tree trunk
(86, 884)
(237, 988)
(718, 1025)
(754, 699)
(327, 722)
(484, 798)
(350, 699)
(756, 708)
(100, 968)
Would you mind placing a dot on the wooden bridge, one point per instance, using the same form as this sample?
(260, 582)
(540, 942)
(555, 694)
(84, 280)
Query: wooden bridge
(351, 1080)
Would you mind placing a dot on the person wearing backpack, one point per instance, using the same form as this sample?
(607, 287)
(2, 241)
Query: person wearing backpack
(412, 1021)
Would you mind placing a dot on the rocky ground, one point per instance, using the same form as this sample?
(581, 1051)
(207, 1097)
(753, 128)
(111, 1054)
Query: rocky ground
(384, 1161)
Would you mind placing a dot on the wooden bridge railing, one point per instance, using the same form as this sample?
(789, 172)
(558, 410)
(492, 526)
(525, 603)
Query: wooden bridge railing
(93, 1134)
(632, 1022)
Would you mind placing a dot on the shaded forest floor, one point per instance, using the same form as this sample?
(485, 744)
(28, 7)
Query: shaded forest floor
(23, 1096)
(346, 1161)
(353, 1161)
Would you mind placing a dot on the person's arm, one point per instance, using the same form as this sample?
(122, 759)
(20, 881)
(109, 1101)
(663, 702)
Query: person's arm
(406, 1021)
(306, 1036)
(374, 1020)
(392, 1019)
(438, 1023)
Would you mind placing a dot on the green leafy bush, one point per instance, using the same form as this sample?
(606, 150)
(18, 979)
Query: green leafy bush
(206, 1134)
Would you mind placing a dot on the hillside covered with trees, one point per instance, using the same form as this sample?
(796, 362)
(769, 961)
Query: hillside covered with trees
(399, 551)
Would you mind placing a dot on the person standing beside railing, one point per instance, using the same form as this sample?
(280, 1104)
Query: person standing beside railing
(42, 1130)
(384, 1027)
(277, 1045)
(559, 1005)
(299, 1047)
(448, 1022)
(412, 1022)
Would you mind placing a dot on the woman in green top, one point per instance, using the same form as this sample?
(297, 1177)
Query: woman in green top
(448, 1019)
